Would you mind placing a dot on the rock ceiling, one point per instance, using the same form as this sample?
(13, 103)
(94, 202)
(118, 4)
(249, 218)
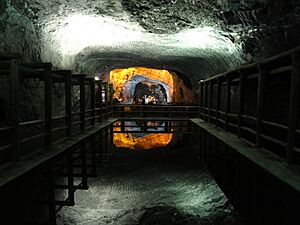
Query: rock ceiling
(184, 35)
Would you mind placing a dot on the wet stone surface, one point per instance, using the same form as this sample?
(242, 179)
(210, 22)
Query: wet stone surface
(150, 188)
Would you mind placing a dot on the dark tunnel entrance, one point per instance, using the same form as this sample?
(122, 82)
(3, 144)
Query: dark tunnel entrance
(150, 93)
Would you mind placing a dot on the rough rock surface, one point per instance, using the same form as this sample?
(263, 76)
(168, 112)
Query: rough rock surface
(242, 31)
(17, 33)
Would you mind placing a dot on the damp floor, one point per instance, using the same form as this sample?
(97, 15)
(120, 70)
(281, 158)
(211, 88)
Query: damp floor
(154, 187)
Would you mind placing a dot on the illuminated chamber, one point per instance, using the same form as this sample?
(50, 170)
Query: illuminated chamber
(139, 85)
(133, 84)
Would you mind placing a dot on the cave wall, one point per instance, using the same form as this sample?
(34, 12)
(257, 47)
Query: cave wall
(265, 27)
(17, 32)
(282, 31)
(18, 35)
(182, 94)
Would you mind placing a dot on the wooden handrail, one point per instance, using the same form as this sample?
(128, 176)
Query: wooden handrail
(44, 72)
(274, 124)
(3, 129)
(59, 117)
(31, 123)
(285, 64)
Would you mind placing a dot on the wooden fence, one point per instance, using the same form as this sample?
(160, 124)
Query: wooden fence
(155, 111)
(259, 103)
(19, 138)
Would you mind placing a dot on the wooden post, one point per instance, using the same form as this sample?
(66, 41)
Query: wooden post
(210, 99)
(82, 103)
(241, 100)
(260, 101)
(122, 126)
(51, 195)
(108, 103)
(294, 101)
(14, 106)
(111, 139)
(170, 111)
(199, 103)
(48, 105)
(141, 112)
(100, 101)
(205, 113)
(111, 88)
(228, 100)
(201, 98)
(93, 102)
(106, 99)
(100, 147)
(84, 182)
(219, 89)
(68, 87)
(70, 179)
(166, 126)
(106, 143)
(94, 154)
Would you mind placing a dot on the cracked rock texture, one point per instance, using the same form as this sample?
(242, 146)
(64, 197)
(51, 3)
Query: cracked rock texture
(17, 33)
(254, 29)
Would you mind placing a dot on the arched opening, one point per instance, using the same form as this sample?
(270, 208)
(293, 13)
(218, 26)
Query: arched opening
(155, 86)
(153, 93)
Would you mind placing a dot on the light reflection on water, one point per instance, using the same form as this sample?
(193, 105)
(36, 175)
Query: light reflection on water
(141, 140)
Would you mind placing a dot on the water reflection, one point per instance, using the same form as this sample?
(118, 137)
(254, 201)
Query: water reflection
(139, 135)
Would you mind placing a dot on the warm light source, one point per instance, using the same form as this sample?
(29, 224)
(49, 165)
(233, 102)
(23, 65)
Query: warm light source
(151, 141)
(122, 79)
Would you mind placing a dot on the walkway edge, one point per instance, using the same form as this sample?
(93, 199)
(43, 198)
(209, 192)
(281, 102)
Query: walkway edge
(19, 168)
(278, 167)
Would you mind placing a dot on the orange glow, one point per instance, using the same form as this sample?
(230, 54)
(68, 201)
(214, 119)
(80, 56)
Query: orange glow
(119, 77)
(150, 141)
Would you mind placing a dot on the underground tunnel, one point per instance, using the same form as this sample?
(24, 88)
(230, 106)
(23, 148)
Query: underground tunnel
(157, 112)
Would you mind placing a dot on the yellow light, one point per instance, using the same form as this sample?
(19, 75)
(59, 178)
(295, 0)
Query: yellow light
(151, 141)
(119, 77)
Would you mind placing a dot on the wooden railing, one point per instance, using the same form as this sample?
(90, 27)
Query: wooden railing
(259, 103)
(19, 138)
(155, 111)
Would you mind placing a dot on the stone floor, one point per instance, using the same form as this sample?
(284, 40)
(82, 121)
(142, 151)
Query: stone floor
(161, 187)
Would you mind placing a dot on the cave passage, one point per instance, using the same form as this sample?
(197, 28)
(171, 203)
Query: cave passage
(140, 85)
(151, 92)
